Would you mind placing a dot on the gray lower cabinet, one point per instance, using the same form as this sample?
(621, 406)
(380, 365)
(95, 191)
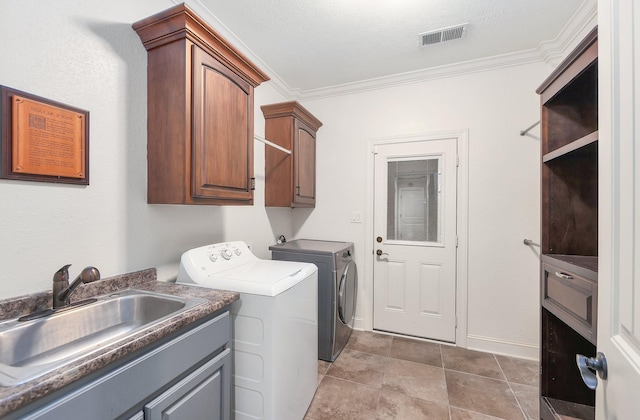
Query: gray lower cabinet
(187, 377)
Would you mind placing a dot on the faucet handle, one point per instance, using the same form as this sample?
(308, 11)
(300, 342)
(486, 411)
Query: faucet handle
(62, 274)
(61, 283)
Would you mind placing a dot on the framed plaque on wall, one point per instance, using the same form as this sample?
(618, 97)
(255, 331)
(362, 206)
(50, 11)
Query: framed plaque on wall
(42, 140)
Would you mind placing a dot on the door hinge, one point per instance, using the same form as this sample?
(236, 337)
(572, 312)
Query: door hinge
(457, 160)
(456, 241)
(252, 183)
(298, 190)
(456, 325)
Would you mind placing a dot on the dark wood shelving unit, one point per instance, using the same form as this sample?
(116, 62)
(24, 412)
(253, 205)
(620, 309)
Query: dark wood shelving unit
(569, 231)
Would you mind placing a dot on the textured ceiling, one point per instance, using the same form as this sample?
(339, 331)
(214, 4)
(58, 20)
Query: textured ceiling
(315, 44)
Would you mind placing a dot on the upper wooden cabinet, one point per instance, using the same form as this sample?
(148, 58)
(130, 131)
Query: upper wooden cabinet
(290, 180)
(200, 112)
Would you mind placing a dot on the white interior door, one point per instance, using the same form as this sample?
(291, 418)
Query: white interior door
(618, 397)
(415, 194)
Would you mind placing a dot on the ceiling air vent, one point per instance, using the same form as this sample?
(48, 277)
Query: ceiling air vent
(442, 35)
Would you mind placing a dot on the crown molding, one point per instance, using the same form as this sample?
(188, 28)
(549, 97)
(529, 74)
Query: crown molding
(580, 24)
(432, 73)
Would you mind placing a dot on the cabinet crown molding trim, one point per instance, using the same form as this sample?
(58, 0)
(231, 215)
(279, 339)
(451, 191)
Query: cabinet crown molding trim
(291, 108)
(588, 41)
(180, 22)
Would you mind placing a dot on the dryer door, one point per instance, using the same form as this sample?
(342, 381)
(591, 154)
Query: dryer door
(347, 293)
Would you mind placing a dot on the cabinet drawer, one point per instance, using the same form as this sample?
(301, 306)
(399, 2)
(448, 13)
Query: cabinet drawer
(571, 298)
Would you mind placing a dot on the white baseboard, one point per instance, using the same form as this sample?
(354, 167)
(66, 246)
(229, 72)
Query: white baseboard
(484, 344)
(507, 348)
(359, 324)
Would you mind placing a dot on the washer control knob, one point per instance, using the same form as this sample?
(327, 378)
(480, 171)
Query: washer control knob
(213, 257)
(226, 254)
(237, 251)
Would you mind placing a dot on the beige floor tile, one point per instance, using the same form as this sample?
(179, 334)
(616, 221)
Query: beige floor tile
(357, 366)
(408, 368)
(336, 399)
(469, 361)
(431, 389)
(460, 414)
(397, 406)
(369, 342)
(482, 395)
(416, 351)
(322, 367)
(520, 371)
(529, 399)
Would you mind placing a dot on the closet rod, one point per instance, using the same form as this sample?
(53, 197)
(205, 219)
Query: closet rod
(530, 242)
(268, 143)
(526, 130)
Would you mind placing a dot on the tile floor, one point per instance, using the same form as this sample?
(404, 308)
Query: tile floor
(379, 376)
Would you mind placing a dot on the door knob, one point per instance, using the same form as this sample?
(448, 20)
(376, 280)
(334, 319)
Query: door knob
(588, 364)
(379, 253)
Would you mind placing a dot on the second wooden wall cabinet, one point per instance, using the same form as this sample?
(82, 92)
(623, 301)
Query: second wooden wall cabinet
(290, 180)
(200, 112)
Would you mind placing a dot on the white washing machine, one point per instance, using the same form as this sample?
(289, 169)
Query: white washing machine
(275, 327)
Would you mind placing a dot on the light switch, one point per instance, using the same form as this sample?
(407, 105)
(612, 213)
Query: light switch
(356, 216)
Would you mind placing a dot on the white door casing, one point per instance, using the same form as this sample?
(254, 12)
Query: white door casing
(415, 216)
(618, 397)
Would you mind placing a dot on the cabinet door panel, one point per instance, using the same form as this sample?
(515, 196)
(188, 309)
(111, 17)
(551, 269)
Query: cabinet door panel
(305, 165)
(204, 394)
(222, 158)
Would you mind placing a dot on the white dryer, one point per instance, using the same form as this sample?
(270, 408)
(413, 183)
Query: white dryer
(275, 327)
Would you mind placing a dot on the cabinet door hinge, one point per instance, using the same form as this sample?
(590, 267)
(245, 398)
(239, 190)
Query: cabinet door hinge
(252, 183)
(298, 190)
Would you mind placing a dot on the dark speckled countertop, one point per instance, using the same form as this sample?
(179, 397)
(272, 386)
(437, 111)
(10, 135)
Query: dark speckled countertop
(14, 397)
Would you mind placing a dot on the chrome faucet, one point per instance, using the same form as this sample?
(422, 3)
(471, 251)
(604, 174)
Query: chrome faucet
(62, 290)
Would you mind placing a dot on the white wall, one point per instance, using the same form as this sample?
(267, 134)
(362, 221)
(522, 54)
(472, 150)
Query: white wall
(493, 106)
(84, 53)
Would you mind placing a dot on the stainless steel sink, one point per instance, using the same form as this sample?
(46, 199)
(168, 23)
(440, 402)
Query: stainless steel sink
(29, 349)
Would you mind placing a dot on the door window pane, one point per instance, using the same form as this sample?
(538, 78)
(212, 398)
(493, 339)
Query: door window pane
(413, 199)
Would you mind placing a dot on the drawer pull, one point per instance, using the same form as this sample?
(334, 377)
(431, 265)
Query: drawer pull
(563, 275)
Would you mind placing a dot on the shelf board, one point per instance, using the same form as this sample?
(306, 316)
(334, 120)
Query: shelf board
(587, 265)
(573, 146)
(569, 410)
